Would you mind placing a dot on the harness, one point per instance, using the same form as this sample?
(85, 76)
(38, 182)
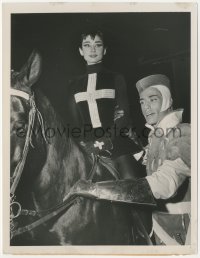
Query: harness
(28, 141)
(14, 205)
(45, 215)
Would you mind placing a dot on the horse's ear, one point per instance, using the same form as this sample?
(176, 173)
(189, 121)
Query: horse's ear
(31, 70)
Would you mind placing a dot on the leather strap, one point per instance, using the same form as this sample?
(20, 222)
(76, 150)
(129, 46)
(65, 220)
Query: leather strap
(163, 235)
(44, 219)
(56, 210)
(141, 227)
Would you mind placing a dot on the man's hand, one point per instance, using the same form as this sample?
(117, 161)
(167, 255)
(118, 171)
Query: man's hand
(81, 186)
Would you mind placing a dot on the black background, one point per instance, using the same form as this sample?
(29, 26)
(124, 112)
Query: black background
(139, 44)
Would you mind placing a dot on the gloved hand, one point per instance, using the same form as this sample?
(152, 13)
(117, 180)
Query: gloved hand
(104, 144)
(132, 135)
(128, 190)
(90, 148)
(118, 113)
(135, 138)
(81, 187)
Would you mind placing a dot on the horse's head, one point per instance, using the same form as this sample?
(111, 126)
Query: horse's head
(21, 106)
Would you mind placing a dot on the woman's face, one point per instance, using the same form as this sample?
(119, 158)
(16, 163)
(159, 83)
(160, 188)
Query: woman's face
(92, 49)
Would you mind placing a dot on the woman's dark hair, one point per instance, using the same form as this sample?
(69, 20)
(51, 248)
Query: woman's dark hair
(92, 34)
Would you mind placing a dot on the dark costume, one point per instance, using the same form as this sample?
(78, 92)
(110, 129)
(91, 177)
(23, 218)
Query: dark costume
(95, 95)
(168, 163)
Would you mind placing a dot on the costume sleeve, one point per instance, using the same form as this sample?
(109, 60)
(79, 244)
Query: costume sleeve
(122, 124)
(176, 168)
(74, 113)
(180, 145)
(122, 101)
(168, 178)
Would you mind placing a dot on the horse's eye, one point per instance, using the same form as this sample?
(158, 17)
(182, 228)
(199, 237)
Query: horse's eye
(20, 129)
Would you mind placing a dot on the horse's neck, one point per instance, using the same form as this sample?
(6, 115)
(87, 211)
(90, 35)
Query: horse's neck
(65, 162)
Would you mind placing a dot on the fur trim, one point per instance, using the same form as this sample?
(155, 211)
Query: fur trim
(180, 147)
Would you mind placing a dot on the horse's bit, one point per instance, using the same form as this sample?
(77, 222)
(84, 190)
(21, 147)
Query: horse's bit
(50, 213)
(15, 207)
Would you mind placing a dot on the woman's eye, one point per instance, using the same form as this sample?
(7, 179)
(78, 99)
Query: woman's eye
(153, 100)
(86, 45)
(99, 45)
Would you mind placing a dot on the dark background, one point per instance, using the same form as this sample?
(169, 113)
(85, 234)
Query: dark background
(139, 44)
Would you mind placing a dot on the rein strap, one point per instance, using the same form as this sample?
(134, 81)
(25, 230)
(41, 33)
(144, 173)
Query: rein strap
(28, 141)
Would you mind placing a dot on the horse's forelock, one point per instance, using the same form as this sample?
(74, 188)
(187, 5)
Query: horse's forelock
(17, 82)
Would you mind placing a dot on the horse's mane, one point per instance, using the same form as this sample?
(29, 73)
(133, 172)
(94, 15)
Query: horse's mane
(51, 117)
(67, 151)
(43, 104)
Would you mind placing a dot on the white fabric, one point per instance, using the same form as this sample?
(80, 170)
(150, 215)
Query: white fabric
(169, 122)
(178, 208)
(138, 155)
(169, 176)
(188, 236)
(98, 144)
(166, 96)
(163, 235)
(19, 93)
(91, 95)
(166, 180)
(150, 127)
(151, 233)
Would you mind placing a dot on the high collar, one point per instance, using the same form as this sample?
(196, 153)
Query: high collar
(95, 68)
(169, 121)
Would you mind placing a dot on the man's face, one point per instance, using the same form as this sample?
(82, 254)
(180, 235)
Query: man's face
(92, 49)
(151, 102)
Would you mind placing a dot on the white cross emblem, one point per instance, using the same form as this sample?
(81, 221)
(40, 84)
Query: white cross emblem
(98, 144)
(91, 95)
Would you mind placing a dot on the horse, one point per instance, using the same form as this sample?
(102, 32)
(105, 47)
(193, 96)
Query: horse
(44, 168)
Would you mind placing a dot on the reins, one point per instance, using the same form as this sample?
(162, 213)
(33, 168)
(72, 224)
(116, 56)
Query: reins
(28, 141)
(70, 200)
(52, 212)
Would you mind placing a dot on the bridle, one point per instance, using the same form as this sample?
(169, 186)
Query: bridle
(14, 205)
(28, 141)
(45, 215)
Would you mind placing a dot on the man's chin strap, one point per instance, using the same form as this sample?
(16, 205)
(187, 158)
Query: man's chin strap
(166, 96)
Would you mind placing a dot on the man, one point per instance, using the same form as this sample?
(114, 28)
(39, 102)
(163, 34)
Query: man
(94, 97)
(167, 159)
